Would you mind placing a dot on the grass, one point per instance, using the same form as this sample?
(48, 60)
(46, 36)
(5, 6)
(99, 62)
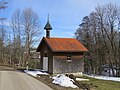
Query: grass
(100, 84)
(7, 67)
(104, 84)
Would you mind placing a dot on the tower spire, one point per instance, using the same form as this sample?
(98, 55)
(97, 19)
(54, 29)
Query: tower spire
(48, 27)
(48, 17)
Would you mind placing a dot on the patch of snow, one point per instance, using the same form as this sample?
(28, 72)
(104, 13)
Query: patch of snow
(34, 73)
(64, 81)
(81, 79)
(105, 78)
(108, 71)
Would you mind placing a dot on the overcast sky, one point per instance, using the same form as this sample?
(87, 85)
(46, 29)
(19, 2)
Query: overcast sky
(65, 15)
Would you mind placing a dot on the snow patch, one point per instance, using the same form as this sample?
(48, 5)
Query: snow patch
(81, 79)
(34, 73)
(105, 78)
(64, 81)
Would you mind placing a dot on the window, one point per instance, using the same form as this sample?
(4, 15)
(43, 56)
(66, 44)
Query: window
(81, 53)
(69, 57)
(45, 54)
(48, 33)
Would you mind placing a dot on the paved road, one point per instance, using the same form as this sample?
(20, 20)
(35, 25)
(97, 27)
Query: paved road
(12, 80)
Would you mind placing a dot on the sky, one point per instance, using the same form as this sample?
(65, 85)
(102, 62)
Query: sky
(65, 15)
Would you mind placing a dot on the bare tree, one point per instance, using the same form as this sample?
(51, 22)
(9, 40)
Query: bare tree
(2, 36)
(17, 37)
(119, 56)
(2, 32)
(102, 31)
(31, 26)
(26, 32)
(110, 21)
(3, 4)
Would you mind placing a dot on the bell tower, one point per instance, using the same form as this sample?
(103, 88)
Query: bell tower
(48, 27)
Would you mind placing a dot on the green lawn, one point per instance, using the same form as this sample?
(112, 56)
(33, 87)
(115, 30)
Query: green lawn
(104, 85)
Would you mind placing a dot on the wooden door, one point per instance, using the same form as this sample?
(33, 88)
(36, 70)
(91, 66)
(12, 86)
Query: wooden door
(45, 63)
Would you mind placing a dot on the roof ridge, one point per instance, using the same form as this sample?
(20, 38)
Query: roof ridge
(60, 38)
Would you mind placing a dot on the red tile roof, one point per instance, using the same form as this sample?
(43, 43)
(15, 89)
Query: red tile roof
(64, 44)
